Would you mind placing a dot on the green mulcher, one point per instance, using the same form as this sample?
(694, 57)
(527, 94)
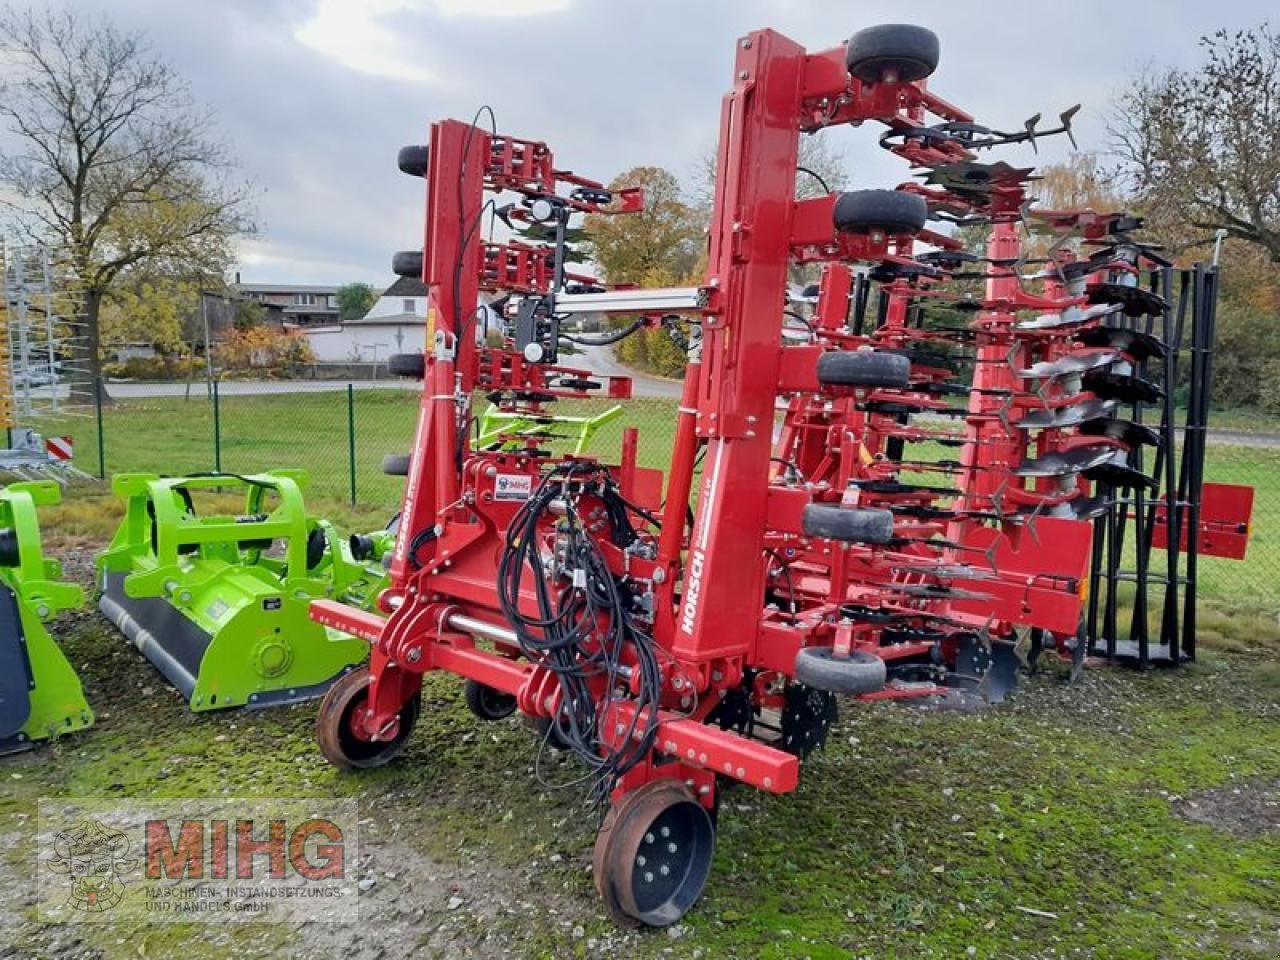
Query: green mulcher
(218, 603)
(40, 694)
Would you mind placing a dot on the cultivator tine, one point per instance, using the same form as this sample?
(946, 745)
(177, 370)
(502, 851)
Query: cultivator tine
(1072, 365)
(1001, 675)
(1029, 125)
(1065, 463)
(1065, 118)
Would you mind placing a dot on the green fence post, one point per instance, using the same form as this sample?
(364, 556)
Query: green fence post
(217, 431)
(351, 437)
(102, 444)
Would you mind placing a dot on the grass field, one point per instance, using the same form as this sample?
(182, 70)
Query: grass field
(1126, 816)
(310, 430)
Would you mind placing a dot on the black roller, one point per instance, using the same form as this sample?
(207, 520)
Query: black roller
(863, 368)
(396, 464)
(890, 211)
(412, 365)
(900, 52)
(847, 524)
(413, 160)
(9, 547)
(822, 669)
(407, 263)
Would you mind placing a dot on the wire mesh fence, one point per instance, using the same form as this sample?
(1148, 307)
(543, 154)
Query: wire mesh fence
(340, 434)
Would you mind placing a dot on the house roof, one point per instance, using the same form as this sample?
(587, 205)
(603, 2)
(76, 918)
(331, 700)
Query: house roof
(406, 287)
(284, 288)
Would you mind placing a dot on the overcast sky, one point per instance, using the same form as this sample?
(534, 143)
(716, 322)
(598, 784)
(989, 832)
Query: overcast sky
(316, 96)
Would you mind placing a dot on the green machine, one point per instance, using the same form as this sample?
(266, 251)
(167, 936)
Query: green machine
(219, 603)
(499, 427)
(40, 695)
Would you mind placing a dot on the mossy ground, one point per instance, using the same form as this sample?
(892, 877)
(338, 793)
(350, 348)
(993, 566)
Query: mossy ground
(912, 834)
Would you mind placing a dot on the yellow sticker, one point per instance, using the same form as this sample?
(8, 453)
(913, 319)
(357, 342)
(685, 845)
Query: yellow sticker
(431, 323)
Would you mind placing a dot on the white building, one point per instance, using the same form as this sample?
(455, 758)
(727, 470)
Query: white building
(397, 323)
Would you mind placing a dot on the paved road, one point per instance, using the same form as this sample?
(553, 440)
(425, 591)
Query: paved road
(601, 360)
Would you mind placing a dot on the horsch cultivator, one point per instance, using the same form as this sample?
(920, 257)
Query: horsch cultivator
(928, 499)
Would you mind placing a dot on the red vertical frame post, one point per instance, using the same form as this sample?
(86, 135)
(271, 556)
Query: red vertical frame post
(450, 269)
(723, 582)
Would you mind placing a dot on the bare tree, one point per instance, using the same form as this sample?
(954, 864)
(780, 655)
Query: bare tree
(821, 168)
(112, 159)
(1202, 147)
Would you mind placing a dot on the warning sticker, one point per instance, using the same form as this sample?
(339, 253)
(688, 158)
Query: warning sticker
(512, 486)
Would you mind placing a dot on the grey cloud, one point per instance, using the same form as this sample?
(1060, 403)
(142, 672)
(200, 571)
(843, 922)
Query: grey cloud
(608, 83)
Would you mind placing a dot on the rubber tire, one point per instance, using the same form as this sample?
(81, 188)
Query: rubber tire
(847, 524)
(407, 263)
(909, 51)
(9, 547)
(890, 211)
(344, 751)
(317, 547)
(860, 672)
(864, 368)
(413, 160)
(487, 703)
(411, 365)
(397, 464)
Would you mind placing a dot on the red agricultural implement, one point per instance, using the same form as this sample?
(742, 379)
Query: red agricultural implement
(887, 506)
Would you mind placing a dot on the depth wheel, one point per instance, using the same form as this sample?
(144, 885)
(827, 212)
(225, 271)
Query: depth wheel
(892, 52)
(887, 211)
(397, 464)
(487, 703)
(341, 743)
(859, 672)
(412, 365)
(864, 368)
(653, 854)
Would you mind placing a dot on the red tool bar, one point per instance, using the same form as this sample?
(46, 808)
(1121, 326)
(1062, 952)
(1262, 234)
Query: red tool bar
(696, 744)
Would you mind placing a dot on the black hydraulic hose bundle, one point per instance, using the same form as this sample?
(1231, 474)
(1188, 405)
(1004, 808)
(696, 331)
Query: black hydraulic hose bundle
(583, 625)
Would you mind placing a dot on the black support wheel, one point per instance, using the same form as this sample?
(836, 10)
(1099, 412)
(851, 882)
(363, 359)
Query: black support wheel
(884, 211)
(343, 741)
(413, 160)
(847, 524)
(653, 854)
(407, 263)
(823, 669)
(487, 703)
(412, 365)
(397, 464)
(9, 547)
(892, 53)
(864, 368)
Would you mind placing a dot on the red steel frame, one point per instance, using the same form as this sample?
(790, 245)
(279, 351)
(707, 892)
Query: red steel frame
(442, 592)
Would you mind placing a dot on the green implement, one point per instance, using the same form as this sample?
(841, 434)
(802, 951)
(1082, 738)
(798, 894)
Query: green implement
(219, 603)
(508, 428)
(40, 695)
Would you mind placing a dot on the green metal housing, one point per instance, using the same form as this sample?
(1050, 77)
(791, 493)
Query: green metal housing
(506, 428)
(40, 694)
(219, 603)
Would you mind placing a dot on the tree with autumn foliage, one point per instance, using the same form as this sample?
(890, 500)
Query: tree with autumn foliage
(658, 247)
(111, 160)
